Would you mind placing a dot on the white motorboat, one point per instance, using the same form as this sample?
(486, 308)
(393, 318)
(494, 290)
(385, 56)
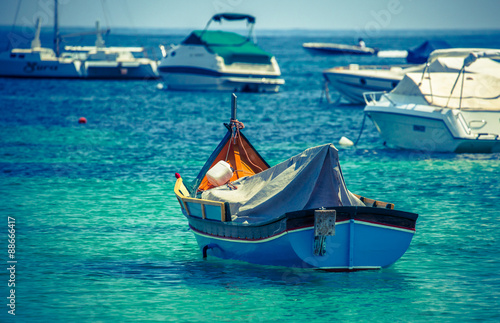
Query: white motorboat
(353, 80)
(77, 61)
(338, 49)
(38, 62)
(100, 62)
(443, 112)
(221, 61)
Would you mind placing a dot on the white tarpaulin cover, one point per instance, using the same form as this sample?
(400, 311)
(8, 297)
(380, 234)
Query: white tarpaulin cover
(463, 52)
(479, 92)
(309, 180)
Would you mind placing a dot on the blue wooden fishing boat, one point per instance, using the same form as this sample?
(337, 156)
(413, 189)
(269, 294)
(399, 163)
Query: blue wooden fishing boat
(298, 213)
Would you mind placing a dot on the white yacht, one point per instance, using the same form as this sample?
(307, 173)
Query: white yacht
(38, 61)
(100, 62)
(220, 61)
(77, 61)
(443, 112)
(353, 80)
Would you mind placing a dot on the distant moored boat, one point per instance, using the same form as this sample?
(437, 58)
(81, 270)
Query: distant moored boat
(211, 60)
(338, 49)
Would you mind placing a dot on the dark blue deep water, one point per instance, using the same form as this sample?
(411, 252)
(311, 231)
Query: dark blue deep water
(100, 236)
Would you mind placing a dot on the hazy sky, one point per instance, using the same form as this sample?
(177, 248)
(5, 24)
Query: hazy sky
(271, 14)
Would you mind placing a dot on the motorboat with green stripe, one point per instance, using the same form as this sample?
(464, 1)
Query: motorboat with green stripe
(215, 60)
(298, 213)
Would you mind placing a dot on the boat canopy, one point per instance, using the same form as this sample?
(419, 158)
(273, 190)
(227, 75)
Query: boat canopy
(455, 64)
(463, 52)
(479, 91)
(233, 16)
(312, 179)
(232, 47)
(419, 54)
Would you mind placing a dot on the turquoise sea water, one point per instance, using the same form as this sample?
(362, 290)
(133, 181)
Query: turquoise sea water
(100, 236)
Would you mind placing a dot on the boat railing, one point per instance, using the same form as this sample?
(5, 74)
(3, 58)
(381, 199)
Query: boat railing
(357, 67)
(372, 97)
(200, 208)
(219, 211)
(463, 122)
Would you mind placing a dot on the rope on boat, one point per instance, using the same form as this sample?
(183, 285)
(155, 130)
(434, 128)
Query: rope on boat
(248, 157)
(9, 43)
(326, 91)
(235, 130)
(361, 130)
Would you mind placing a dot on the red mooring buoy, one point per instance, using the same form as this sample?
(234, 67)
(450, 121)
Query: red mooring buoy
(82, 120)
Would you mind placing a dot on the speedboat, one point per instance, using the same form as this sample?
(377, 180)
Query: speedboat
(353, 80)
(298, 213)
(220, 61)
(443, 112)
(38, 62)
(338, 49)
(101, 62)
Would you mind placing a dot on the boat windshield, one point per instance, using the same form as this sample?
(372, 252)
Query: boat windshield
(230, 46)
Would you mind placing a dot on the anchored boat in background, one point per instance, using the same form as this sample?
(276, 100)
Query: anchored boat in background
(38, 61)
(354, 80)
(338, 49)
(220, 61)
(101, 62)
(443, 112)
(89, 62)
(298, 213)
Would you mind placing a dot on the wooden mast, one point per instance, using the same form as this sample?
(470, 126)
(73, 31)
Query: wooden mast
(236, 148)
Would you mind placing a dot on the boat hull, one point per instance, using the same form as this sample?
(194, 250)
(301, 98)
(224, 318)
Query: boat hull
(360, 242)
(215, 81)
(337, 49)
(114, 70)
(194, 68)
(39, 69)
(434, 130)
(352, 86)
